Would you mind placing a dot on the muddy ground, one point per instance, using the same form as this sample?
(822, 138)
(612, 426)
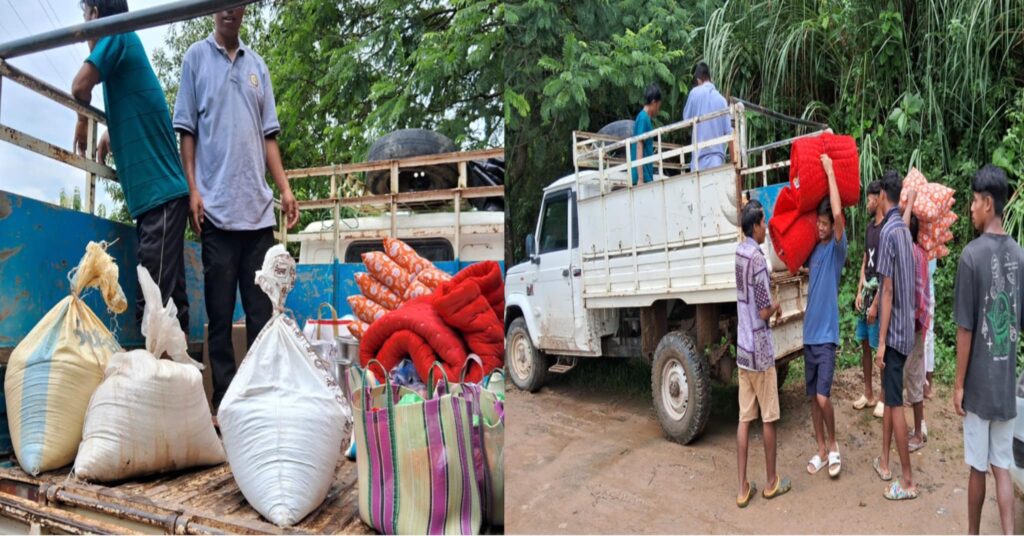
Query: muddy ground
(589, 457)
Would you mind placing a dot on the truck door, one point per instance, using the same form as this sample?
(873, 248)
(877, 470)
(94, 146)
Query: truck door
(553, 287)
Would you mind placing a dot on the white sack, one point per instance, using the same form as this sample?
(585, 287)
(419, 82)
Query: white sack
(149, 415)
(283, 415)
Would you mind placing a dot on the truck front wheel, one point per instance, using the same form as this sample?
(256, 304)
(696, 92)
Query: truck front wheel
(681, 383)
(527, 366)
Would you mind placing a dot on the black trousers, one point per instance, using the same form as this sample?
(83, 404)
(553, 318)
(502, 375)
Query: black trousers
(230, 261)
(161, 235)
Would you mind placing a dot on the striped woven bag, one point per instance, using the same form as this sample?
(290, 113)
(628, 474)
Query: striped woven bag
(415, 461)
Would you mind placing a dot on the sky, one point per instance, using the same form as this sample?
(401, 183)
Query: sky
(21, 171)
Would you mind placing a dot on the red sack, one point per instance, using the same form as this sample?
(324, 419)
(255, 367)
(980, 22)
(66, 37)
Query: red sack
(794, 245)
(807, 176)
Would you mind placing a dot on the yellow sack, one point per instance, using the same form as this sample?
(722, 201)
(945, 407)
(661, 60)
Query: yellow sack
(54, 370)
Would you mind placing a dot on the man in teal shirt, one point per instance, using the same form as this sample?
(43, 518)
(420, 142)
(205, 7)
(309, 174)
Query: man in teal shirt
(643, 125)
(140, 137)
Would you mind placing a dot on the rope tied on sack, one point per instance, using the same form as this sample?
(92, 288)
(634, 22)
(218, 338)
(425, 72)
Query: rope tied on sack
(277, 276)
(97, 269)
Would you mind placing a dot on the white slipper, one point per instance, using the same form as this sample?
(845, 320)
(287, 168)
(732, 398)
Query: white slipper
(879, 410)
(835, 464)
(817, 463)
(861, 402)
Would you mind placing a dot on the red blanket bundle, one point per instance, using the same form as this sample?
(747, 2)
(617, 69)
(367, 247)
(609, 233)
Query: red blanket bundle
(807, 176)
(462, 316)
(794, 244)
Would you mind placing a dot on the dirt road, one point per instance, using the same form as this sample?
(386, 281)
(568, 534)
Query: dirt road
(593, 460)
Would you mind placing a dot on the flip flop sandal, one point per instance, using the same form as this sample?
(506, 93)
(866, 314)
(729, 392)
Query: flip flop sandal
(816, 463)
(879, 410)
(877, 464)
(914, 447)
(861, 403)
(782, 485)
(742, 502)
(835, 464)
(895, 492)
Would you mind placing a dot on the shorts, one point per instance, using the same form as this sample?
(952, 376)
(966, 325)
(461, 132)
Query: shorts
(868, 332)
(892, 377)
(913, 371)
(759, 394)
(819, 368)
(987, 443)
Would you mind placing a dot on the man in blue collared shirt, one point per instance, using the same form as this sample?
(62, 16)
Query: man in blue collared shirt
(228, 125)
(704, 99)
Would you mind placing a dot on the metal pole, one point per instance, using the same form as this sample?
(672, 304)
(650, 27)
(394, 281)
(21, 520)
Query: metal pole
(115, 24)
(90, 177)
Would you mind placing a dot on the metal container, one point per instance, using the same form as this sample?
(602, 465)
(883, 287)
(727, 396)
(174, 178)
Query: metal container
(347, 355)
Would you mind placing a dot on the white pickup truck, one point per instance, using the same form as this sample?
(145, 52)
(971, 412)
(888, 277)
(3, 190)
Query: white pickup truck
(617, 270)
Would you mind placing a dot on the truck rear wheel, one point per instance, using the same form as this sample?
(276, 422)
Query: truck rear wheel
(681, 383)
(527, 366)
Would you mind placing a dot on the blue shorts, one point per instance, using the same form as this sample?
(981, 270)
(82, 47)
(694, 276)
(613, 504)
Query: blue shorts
(867, 331)
(819, 368)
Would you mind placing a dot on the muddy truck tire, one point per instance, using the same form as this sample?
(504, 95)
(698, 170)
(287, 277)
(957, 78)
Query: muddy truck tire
(681, 384)
(406, 143)
(527, 366)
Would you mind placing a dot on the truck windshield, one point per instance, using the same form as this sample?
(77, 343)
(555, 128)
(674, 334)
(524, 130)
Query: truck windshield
(554, 228)
(432, 249)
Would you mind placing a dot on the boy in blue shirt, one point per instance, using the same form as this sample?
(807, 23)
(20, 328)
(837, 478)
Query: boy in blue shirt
(821, 324)
(643, 125)
(140, 137)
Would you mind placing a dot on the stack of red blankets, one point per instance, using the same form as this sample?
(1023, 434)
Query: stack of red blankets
(933, 207)
(462, 316)
(793, 225)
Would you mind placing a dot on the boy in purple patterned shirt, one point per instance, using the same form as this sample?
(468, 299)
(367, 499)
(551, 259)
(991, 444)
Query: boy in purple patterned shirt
(759, 394)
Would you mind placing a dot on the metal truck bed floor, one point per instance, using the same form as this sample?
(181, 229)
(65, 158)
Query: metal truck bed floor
(200, 501)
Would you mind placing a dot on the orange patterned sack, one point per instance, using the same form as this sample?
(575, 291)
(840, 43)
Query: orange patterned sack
(416, 289)
(385, 270)
(357, 329)
(405, 256)
(933, 200)
(432, 277)
(366, 309)
(377, 291)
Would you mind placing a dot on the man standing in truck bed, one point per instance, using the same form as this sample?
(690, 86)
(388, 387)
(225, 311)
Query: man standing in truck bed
(704, 99)
(225, 114)
(141, 140)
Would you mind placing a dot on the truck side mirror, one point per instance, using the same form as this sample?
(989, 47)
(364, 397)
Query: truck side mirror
(531, 249)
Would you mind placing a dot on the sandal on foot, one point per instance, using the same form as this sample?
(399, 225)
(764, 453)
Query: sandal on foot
(914, 447)
(835, 464)
(782, 485)
(896, 492)
(815, 464)
(861, 403)
(884, 475)
(879, 410)
(742, 502)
